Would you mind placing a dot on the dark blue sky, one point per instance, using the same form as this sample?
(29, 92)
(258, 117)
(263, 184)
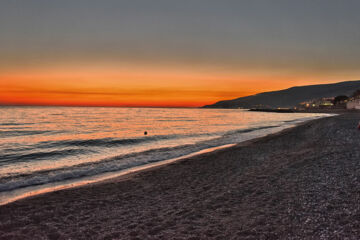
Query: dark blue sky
(305, 35)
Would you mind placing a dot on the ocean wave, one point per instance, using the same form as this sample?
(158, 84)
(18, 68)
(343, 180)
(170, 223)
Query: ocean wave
(15, 124)
(246, 130)
(177, 120)
(13, 133)
(115, 142)
(117, 163)
(103, 142)
(93, 168)
(50, 155)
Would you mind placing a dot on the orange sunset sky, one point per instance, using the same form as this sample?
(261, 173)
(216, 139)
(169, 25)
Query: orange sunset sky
(136, 53)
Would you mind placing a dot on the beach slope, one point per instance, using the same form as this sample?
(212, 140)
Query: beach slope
(300, 183)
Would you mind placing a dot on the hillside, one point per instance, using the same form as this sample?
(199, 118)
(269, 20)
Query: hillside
(290, 97)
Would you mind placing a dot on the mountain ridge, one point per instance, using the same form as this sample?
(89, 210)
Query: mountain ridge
(290, 97)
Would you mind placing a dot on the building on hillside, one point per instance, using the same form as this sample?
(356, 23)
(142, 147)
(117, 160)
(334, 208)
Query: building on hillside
(353, 104)
(326, 102)
(317, 103)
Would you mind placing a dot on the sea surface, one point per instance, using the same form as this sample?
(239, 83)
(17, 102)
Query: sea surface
(46, 148)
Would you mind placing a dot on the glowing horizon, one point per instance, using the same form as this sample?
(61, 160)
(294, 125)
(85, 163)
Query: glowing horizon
(134, 86)
(161, 54)
(106, 87)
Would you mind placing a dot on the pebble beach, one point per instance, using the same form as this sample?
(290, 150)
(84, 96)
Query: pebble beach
(301, 183)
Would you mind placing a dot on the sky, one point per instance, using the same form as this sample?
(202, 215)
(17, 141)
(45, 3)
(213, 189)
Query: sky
(171, 53)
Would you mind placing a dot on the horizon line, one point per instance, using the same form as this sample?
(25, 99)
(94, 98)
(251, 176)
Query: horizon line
(97, 106)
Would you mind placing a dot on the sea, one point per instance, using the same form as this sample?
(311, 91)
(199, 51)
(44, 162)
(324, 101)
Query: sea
(49, 148)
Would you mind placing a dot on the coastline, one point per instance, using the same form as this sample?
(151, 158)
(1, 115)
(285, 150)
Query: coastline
(260, 188)
(23, 193)
(33, 190)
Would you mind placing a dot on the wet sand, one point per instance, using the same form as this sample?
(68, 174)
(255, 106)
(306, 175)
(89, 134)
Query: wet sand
(303, 183)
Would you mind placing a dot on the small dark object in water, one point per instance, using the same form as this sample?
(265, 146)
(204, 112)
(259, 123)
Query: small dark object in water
(145, 133)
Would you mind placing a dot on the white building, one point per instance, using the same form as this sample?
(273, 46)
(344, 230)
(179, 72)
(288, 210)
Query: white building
(353, 104)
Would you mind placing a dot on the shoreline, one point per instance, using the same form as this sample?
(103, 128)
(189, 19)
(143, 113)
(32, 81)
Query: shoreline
(303, 176)
(36, 190)
(314, 110)
(33, 191)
